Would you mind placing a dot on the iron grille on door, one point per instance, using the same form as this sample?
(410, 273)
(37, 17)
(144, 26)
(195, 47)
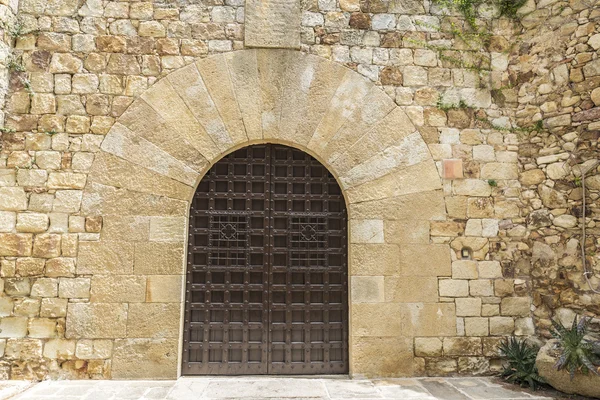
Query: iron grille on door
(267, 287)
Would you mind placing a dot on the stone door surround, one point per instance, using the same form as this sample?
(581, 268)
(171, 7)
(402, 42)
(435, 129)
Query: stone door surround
(152, 159)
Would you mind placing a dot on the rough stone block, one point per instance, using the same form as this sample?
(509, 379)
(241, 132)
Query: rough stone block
(74, 288)
(42, 328)
(169, 229)
(273, 24)
(60, 349)
(437, 262)
(515, 306)
(429, 319)
(164, 288)
(13, 327)
(12, 199)
(454, 288)
(142, 318)
(96, 320)
(366, 231)
(397, 361)
(94, 349)
(44, 287)
(105, 257)
(462, 346)
(407, 290)
(489, 269)
(428, 347)
(468, 307)
(30, 266)
(367, 289)
(464, 269)
(53, 308)
(118, 289)
(155, 258)
(476, 326)
(502, 325)
(145, 359)
(32, 222)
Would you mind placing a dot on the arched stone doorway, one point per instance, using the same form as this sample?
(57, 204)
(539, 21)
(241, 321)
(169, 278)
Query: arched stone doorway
(267, 267)
(144, 178)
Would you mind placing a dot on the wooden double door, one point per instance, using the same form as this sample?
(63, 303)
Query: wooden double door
(267, 267)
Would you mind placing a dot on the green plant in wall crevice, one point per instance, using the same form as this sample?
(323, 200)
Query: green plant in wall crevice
(577, 353)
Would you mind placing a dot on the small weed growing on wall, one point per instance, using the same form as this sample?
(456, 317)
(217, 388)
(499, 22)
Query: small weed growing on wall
(577, 354)
(51, 132)
(492, 183)
(520, 366)
(15, 64)
(450, 106)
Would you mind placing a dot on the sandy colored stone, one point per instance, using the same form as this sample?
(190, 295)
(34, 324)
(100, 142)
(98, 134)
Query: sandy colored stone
(375, 107)
(94, 349)
(121, 142)
(406, 231)
(429, 319)
(476, 326)
(42, 328)
(13, 327)
(100, 199)
(145, 359)
(12, 199)
(428, 347)
(243, 69)
(532, 177)
(32, 222)
(145, 122)
(53, 308)
(61, 266)
(515, 306)
(366, 231)
(30, 266)
(114, 171)
(424, 205)
(502, 325)
(468, 307)
(407, 290)
(163, 98)
(118, 289)
(96, 320)
(60, 349)
(392, 136)
(397, 361)
(218, 91)
(46, 245)
(142, 318)
(312, 83)
(462, 346)
(367, 289)
(464, 269)
(73, 288)
(23, 349)
(437, 262)
(345, 100)
(105, 257)
(274, 25)
(164, 288)
(158, 258)
(420, 177)
(374, 259)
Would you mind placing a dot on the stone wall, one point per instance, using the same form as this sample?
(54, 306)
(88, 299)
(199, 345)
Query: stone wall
(508, 192)
(557, 72)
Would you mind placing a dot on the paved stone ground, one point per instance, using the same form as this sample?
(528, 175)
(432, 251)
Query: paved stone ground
(254, 388)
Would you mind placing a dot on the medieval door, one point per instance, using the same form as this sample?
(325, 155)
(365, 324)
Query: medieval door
(267, 287)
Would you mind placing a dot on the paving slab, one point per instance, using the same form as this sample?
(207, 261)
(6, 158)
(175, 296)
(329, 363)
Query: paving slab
(261, 387)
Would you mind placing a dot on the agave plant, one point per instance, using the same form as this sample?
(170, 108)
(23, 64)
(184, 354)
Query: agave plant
(520, 368)
(577, 352)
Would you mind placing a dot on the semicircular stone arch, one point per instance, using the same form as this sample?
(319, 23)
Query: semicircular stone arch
(144, 176)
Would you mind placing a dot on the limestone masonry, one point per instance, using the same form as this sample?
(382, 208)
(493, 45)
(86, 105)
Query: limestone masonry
(462, 159)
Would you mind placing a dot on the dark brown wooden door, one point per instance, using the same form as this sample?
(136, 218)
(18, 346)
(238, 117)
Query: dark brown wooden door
(267, 282)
